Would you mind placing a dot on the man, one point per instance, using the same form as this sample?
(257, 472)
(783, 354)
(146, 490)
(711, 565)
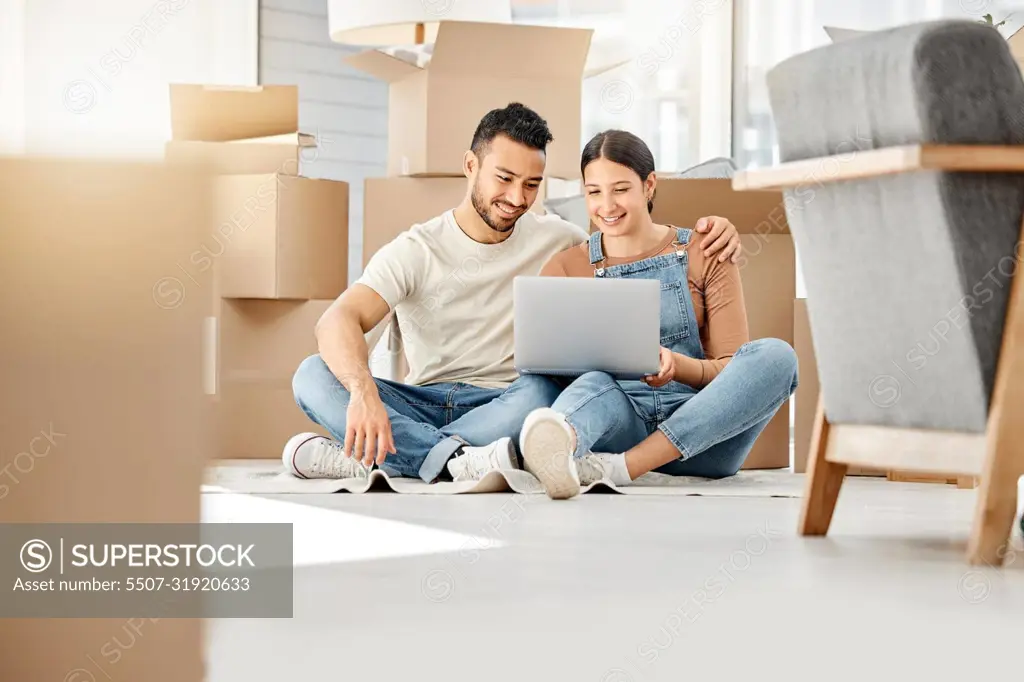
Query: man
(449, 283)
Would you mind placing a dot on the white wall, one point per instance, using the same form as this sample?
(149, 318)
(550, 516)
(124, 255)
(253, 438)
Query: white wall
(95, 74)
(12, 76)
(347, 109)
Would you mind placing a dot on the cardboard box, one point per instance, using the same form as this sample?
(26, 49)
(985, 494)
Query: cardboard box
(258, 347)
(807, 393)
(104, 418)
(393, 205)
(768, 272)
(434, 111)
(1016, 43)
(238, 130)
(280, 237)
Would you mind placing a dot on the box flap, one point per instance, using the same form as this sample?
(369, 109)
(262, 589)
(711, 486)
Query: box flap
(538, 51)
(295, 139)
(838, 35)
(1016, 42)
(592, 70)
(382, 66)
(213, 113)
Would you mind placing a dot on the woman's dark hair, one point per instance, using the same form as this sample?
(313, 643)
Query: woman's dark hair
(623, 148)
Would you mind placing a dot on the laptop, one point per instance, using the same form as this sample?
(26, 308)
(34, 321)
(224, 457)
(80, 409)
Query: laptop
(567, 326)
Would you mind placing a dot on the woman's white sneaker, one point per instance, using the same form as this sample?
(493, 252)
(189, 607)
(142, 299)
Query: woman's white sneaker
(309, 455)
(476, 461)
(602, 466)
(546, 441)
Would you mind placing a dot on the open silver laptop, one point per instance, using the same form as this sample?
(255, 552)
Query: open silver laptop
(567, 326)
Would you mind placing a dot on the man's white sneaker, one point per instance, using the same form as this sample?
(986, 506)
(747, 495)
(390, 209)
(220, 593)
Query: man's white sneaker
(546, 441)
(309, 455)
(476, 461)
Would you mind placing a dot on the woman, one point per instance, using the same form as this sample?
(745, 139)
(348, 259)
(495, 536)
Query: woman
(715, 391)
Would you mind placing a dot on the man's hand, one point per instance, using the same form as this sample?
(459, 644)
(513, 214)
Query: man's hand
(369, 430)
(666, 371)
(721, 237)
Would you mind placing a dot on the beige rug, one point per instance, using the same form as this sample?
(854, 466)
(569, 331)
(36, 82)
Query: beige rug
(268, 477)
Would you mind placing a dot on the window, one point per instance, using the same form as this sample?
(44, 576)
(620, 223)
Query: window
(767, 33)
(770, 32)
(672, 87)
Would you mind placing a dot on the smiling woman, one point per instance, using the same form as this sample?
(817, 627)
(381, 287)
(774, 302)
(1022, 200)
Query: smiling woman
(678, 421)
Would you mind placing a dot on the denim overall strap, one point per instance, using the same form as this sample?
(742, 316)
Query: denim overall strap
(682, 238)
(689, 345)
(597, 254)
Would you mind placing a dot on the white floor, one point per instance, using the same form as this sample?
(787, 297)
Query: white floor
(612, 588)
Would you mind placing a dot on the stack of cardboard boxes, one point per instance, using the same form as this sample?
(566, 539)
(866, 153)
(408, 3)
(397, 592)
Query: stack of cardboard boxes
(274, 256)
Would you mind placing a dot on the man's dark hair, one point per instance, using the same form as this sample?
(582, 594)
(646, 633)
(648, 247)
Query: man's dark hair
(623, 148)
(516, 121)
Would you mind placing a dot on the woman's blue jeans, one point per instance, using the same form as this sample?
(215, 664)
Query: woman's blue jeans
(713, 429)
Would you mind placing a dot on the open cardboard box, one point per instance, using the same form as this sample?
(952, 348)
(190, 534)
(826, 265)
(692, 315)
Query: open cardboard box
(238, 129)
(433, 110)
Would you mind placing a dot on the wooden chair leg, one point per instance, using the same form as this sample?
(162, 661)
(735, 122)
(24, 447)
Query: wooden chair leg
(996, 507)
(823, 480)
(1004, 458)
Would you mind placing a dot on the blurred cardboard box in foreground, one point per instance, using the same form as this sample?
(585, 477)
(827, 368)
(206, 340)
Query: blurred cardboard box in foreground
(104, 418)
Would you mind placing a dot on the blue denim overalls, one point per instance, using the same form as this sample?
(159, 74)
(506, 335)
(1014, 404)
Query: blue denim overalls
(713, 428)
(679, 332)
(714, 433)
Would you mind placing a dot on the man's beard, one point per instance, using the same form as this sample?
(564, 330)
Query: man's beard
(484, 211)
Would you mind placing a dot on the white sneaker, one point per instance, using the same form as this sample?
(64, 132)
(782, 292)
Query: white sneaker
(309, 455)
(476, 461)
(596, 466)
(545, 443)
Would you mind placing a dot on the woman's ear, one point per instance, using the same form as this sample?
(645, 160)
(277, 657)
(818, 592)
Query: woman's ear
(650, 184)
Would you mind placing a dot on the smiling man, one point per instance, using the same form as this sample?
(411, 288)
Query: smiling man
(449, 283)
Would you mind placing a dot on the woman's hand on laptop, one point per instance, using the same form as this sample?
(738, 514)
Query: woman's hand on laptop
(368, 437)
(666, 372)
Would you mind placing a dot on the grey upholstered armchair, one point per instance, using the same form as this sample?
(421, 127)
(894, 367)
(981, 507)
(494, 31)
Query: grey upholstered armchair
(903, 171)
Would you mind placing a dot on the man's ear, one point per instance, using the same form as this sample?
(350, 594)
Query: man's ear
(470, 164)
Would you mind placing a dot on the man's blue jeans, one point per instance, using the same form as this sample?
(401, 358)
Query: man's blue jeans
(713, 429)
(429, 423)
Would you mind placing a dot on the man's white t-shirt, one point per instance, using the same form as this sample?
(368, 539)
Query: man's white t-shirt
(452, 296)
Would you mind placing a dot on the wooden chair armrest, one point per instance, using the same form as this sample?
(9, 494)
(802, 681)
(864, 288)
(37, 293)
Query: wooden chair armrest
(887, 161)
